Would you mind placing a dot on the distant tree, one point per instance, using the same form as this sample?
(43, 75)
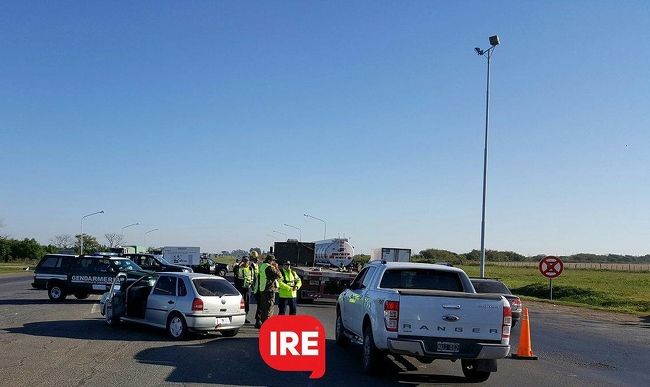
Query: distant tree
(259, 251)
(63, 241)
(91, 245)
(114, 239)
(26, 249)
(360, 259)
(436, 255)
(5, 249)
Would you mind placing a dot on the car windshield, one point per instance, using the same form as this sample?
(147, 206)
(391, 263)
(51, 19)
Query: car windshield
(125, 265)
(424, 279)
(214, 287)
(164, 261)
(490, 287)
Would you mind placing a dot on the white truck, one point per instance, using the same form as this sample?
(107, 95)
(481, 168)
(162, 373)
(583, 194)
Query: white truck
(425, 311)
(390, 254)
(185, 256)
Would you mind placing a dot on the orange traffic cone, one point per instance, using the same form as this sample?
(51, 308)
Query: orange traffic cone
(525, 352)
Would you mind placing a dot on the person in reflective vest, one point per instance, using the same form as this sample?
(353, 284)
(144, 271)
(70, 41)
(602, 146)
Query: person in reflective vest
(268, 287)
(289, 285)
(244, 282)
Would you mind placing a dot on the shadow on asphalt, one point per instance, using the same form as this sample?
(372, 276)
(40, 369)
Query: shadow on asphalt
(236, 361)
(44, 301)
(96, 329)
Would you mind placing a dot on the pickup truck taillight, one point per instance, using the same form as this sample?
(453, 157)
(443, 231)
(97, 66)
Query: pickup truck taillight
(242, 305)
(515, 305)
(507, 322)
(197, 304)
(391, 315)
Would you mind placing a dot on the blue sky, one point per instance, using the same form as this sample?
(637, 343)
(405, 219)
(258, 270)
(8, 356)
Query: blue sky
(217, 122)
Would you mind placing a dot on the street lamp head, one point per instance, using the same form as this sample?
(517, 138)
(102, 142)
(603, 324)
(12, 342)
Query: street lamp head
(101, 212)
(478, 50)
(494, 40)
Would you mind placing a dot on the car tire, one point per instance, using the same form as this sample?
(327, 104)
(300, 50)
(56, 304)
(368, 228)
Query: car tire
(370, 354)
(472, 374)
(341, 339)
(81, 296)
(222, 272)
(110, 319)
(229, 332)
(176, 327)
(56, 292)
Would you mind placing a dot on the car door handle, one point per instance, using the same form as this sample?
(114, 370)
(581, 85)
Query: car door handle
(170, 302)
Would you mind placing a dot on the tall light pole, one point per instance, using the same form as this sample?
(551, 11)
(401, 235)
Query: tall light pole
(145, 236)
(128, 225)
(299, 231)
(81, 238)
(494, 41)
(281, 233)
(324, 222)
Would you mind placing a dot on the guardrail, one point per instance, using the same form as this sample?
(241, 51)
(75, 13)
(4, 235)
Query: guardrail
(634, 267)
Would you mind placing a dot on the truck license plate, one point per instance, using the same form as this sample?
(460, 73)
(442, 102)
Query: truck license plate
(222, 320)
(444, 346)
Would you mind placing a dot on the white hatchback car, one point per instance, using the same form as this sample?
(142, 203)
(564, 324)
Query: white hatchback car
(177, 302)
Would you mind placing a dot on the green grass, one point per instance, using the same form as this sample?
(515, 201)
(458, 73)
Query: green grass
(227, 259)
(9, 268)
(599, 289)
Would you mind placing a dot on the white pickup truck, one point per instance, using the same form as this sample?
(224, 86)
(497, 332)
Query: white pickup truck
(426, 311)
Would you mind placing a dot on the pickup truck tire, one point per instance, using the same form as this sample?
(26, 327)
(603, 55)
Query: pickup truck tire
(56, 292)
(370, 356)
(341, 339)
(230, 332)
(222, 272)
(81, 296)
(472, 374)
(176, 326)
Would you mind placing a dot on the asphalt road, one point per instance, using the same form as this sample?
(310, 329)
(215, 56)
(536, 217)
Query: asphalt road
(42, 343)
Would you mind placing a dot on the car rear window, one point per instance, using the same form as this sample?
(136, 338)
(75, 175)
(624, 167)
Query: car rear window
(214, 287)
(51, 262)
(490, 287)
(425, 279)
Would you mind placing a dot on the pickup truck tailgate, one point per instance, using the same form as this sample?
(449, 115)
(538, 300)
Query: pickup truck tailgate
(468, 316)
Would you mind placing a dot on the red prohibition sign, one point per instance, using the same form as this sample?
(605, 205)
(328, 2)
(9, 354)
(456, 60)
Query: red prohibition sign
(551, 267)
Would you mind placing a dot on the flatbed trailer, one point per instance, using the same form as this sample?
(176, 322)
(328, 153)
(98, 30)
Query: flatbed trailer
(318, 282)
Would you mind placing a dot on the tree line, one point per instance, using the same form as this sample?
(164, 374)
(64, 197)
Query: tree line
(12, 250)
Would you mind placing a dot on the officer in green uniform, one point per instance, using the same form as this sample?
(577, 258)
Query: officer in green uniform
(289, 285)
(269, 274)
(244, 283)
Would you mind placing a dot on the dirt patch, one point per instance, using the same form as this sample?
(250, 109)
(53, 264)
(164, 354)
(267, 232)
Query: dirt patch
(591, 314)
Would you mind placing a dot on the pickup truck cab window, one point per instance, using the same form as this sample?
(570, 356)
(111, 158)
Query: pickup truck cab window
(424, 279)
(356, 284)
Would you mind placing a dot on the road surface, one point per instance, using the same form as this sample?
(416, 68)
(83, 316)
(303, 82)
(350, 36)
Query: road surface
(69, 344)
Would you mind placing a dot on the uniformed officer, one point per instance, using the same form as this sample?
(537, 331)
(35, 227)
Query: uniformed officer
(244, 283)
(268, 279)
(289, 285)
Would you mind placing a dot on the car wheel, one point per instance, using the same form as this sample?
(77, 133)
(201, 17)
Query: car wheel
(222, 272)
(56, 292)
(230, 332)
(176, 327)
(81, 296)
(472, 374)
(371, 356)
(110, 319)
(341, 339)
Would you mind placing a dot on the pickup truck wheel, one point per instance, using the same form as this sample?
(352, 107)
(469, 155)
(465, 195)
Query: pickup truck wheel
(472, 374)
(176, 327)
(371, 356)
(341, 339)
(81, 296)
(56, 292)
(230, 332)
(221, 272)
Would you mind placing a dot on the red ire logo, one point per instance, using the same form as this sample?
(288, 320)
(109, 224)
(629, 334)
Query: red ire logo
(294, 343)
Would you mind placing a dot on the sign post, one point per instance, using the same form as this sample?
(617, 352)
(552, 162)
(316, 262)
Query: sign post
(551, 267)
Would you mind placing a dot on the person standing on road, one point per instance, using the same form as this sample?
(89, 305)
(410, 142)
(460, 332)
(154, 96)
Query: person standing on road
(289, 285)
(244, 282)
(269, 276)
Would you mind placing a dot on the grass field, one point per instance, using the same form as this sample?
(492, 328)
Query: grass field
(599, 289)
(8, 268)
